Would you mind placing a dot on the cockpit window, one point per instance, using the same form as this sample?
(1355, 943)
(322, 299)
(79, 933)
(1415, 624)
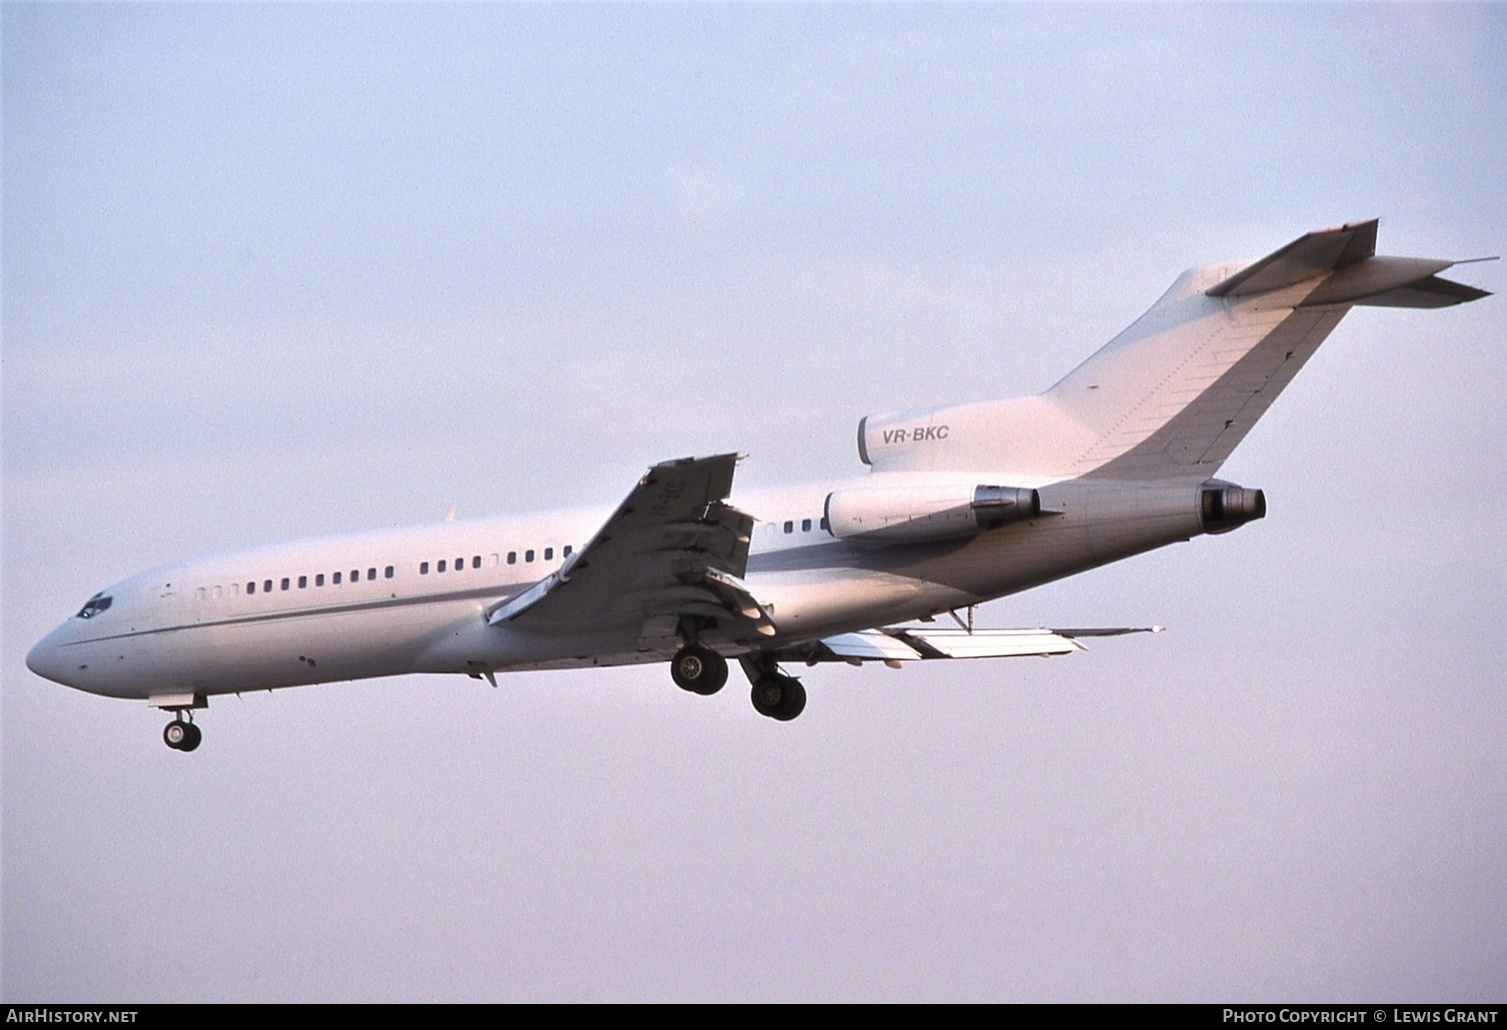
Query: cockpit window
(96, 604)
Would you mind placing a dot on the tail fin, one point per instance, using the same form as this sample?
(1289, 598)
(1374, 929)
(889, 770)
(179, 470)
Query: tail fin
(1173, 394)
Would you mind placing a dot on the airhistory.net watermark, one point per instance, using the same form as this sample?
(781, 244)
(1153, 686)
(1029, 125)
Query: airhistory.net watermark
(47, 1014)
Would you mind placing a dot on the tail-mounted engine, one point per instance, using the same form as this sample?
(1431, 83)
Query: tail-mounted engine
(1224, 506)
(915, 514)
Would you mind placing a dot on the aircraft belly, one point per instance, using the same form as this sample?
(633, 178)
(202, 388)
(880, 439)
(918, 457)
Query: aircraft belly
(1090, 524)
(812, 603)
(469, 645)
(281, 650)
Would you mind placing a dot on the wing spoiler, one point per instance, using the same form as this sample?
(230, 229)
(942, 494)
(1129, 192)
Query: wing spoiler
(673, 549)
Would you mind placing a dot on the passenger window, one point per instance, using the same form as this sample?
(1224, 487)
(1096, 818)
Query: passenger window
(460, 565)
(476, 562)
(566, 553)
(251, 587)
(824, 524)
(423, 568)
(440, 567)
(201, 593)
(790, 527)
(388, 572)
(805, 525)
(371, 573)
(267, 587)
(495, 560)
(512, 557)
(528, 555)
(285, 582)
(549, 554)
(215, 593)
(319, 580)
(335, 579)
(303, 582)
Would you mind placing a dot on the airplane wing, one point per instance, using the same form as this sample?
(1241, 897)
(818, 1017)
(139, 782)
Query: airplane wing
(673, 549)
(894, 644)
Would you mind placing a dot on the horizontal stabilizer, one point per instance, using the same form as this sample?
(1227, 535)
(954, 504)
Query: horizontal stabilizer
(1431, 292)
(1306, 257)
(1354, 273)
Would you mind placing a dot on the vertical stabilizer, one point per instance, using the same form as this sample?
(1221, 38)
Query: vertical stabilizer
(1172, 395)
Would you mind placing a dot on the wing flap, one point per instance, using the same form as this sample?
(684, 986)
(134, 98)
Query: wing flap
(993, 643)
(870, 645)
(674, 548)
(892, 644)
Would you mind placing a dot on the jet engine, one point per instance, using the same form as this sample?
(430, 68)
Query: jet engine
(1224, 506)
(914, 514)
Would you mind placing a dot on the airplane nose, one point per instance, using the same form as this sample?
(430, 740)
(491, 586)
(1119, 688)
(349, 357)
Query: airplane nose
(46, 659)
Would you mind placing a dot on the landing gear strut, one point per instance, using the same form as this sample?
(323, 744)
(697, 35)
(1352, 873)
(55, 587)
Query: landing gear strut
(181, 735)
(698, 669)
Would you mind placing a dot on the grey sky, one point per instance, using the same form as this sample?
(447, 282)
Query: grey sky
(277, 270)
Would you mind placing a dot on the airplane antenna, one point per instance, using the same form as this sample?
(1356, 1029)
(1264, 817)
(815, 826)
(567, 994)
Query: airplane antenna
(450, 515)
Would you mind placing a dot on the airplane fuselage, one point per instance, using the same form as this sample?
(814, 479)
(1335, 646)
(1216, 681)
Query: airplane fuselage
(412, 600)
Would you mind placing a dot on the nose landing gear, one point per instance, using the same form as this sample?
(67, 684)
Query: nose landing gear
(181, 735)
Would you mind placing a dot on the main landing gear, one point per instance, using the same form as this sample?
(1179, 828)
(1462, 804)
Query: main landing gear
(698, 669)
(181, 734)
(703, 671)
(779, 696)
(775, 694)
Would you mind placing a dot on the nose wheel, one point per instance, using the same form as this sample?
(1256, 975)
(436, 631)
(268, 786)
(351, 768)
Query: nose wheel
(181, 735)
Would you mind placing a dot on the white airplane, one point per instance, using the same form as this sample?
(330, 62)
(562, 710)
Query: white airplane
(959, 505)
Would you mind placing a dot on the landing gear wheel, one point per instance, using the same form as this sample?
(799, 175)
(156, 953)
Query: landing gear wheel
(793, 705)
(779, 697)
(181, 736)
(195, 735)
(698, 669)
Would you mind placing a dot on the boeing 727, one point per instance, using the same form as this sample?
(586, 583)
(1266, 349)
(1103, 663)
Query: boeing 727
(958, 505)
